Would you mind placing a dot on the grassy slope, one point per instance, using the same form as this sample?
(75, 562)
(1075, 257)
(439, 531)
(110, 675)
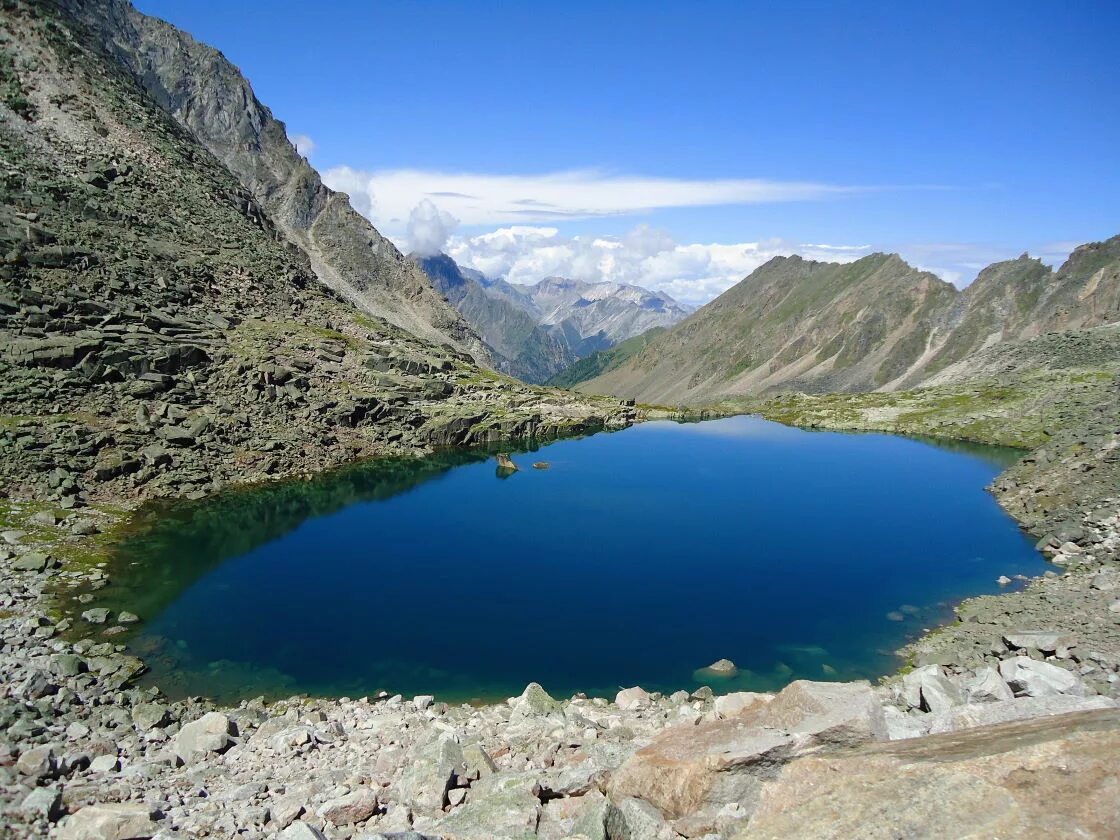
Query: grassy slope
(603, 360)
(1023, 411)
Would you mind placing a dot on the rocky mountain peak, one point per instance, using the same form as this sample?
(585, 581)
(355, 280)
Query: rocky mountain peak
(207, 95)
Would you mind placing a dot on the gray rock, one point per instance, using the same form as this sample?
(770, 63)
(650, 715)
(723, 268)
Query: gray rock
(928, 688)
(104, 764)
(43, 803)
(535, 701)
(634, 819)
(33, 561)
(209, 734)
(37, 762)
(285, 810)
(501, 807)
(149, 715)
(302, 831)
(1021, 708)
(423, 701)
(632, 698)
(426, 779)
(1031, 678)
(737, 702)
(355, 807)
(1045, 641)
(127, 821)
(987, 686)
(98, 615)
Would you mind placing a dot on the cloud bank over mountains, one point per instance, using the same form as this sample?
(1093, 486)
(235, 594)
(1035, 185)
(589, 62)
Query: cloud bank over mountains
(691, 273)
(422, 210)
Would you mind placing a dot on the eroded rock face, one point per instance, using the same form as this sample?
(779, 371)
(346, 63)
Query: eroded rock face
(1000, 781)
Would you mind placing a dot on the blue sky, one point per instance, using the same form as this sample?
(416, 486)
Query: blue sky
(954, 133)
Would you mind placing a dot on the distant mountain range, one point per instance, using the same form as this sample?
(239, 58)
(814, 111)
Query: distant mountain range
(873, 324)
(536, 331)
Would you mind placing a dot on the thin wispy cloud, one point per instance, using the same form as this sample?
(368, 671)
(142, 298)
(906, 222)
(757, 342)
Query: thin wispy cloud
(489, 199)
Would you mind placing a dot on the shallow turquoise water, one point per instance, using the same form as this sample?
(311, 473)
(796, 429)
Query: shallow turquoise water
(638, 557)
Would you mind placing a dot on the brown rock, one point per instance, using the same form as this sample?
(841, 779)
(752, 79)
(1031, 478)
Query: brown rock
(1040, 778)
(691, 772)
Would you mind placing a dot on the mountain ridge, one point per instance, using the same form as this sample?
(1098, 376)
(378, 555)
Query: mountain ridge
(873, 324)
(209, 96)
(537, 330)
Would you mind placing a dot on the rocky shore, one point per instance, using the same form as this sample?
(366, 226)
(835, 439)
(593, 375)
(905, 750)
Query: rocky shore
(1021, 683)
(184, 307)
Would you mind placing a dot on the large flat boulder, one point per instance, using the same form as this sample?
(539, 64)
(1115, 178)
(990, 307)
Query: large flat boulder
(1054, 777)
(1029, 677)
(199, 739)
(689, 773)
(124, 821)
(1019, 708)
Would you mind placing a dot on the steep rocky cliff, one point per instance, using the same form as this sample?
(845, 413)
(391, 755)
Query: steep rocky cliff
(874, 324)
(206, 94)
(160, 334)
(520, 345)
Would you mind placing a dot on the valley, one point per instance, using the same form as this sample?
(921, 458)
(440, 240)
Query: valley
(836, 554)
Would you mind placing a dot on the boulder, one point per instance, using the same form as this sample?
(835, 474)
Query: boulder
(1019, 708)
(574, 816)
(429, 773)
(501, 807)
(729, 705)
(633, 698)
(693, 771)
(723, 666)
(929, 688)
(630, 818)
(33, 561)
(125, 821)
(44, 803)
(1054, 777)
(534, 701)
(355, 807)
(1031, 678)
(987, 686)
(149, 716)
(37, 762)
(1044, 641)
(302, 831)
(198, 739)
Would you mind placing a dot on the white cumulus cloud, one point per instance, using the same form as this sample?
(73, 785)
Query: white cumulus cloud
(387, 196)
(304, 145)
(429, 228)
(692, 273)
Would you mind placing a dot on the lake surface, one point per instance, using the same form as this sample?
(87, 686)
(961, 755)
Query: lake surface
(637, 557)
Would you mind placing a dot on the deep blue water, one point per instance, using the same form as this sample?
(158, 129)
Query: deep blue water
(638, 557)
